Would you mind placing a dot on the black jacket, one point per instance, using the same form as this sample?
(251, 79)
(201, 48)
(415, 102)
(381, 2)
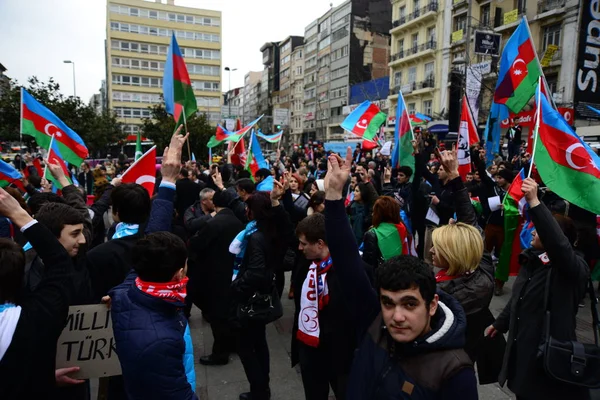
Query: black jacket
(445, 208)
(194, 217)
(86, 180)
(523, 316)
(489, 189)
(187, 192)
(210, 277)
(27, 368)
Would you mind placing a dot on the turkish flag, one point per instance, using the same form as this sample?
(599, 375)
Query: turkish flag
(54, 158)
(368, 145)
(238, 156)
(143, 171)
(467, 136)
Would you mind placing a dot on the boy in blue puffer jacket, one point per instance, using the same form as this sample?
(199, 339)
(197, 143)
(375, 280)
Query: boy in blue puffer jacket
(151, 332)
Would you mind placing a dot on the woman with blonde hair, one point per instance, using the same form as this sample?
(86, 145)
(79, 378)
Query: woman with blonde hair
(467, 273)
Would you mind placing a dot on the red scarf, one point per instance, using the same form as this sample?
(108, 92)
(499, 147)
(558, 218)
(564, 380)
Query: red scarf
(443, 277)
(174, 291)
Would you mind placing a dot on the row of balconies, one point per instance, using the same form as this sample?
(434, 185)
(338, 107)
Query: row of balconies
(431, 7)
(428, 83)
(429, 45)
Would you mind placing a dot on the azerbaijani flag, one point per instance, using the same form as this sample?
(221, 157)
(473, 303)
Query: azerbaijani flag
(364, 121)
(255, 159)
(8, 174)
(519, 70)
(467, 136)
(508, 264)
(42, 124)
(177, 86)
(55, 157)
(274, 138)
(392, 239)
(566, 164)
(402, 154)
(223, 135)
(419, 119)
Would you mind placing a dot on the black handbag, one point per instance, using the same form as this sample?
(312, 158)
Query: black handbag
(261, 307)
(567, 361)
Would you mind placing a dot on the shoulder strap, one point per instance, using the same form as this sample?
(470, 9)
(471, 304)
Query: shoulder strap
(593, 305)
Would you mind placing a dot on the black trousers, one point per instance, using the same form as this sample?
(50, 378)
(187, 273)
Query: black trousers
(254, 354)
(224, 338)
(319, 371)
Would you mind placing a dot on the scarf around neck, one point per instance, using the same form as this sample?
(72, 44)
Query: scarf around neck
(239, 244)
(315, 296)
(174, 291)
(124, 229)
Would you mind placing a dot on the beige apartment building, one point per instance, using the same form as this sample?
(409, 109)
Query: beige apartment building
(138, 34)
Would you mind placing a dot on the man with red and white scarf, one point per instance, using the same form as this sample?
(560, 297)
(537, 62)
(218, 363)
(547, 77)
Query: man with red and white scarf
(323, 339)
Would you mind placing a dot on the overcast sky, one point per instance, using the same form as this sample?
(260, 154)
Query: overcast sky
(38, 35)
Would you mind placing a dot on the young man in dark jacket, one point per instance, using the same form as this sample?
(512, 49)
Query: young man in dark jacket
(411, 338)
(323, 338)
(30, 324)
(152, 336)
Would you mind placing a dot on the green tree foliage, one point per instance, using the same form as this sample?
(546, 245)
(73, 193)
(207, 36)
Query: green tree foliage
(161, 126)
(97, 131)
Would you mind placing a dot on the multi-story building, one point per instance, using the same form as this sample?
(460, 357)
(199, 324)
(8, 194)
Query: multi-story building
(233, 105)
(269, 89)
(138, 36)
(283, 103)
(417, 64)
(347, 45)
(251, 92)
(311, 39)
(297, 96)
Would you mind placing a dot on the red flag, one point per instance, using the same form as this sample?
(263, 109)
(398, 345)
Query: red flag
(238, 156)
(143, 171)
(368, 145)
(57, 159)
(467, 136)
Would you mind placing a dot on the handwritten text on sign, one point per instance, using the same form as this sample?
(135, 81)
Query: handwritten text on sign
(87, 342)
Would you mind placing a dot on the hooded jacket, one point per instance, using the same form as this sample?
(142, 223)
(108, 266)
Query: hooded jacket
(432, 367)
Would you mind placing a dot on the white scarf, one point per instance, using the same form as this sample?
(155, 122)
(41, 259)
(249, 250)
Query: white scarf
(9, 316)
(315, 296)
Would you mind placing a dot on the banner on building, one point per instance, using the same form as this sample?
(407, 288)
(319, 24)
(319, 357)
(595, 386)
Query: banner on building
(281, 116)
(87, 342)
(548, 55)
(525, 118)
(587, 87)
(475, 74)
(487, 43)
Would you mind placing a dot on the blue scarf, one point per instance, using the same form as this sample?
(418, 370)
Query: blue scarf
(124, 229)
(239, 244)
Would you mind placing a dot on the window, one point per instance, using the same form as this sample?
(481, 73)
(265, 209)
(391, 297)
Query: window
(552, 82)
(311, 47)
(131, 112)
(485, 15)
(340, 53)
(427, 107)
(204, 102)
(324, 43)
(416, 8)
(339, 34)
(431, 34)
(412, 74)
(400, 45)
(397, 78)
(411, 108)
(460, 22)
(339, 92)
(551, 36)
(338, 73)
(429, 70)
(402, 13)
(415, 42)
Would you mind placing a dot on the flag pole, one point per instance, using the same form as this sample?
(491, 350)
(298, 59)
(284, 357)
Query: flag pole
(186, 131)
(48, 156)
(21, 125)
(537, 125)
(401, 96)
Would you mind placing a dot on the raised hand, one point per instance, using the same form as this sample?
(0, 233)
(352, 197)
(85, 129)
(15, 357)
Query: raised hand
(171, 163)
(58, 173)
(338, 171)
(277, 192)
(530, 189)
(11, 209)
(449, 159)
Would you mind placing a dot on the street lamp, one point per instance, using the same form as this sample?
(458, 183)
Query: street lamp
(74, 89)
(230, 70)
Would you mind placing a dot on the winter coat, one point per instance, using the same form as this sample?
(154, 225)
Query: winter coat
(445, 208)
(523, 316)
(361, 218)
(432, 367)
(153, 342)
(194, 217)
(210, 277)
(27, 367)
(187, 193)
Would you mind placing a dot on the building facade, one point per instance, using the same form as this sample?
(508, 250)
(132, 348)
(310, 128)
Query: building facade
(269, 89)
(297, 96)
(138, 35)
(282, 101)
(251, 93)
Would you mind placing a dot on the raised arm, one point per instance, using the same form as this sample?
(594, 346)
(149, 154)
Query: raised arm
(361, 297)
(555, 242)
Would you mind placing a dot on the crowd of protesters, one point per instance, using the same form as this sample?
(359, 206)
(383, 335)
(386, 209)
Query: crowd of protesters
(392, 274)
